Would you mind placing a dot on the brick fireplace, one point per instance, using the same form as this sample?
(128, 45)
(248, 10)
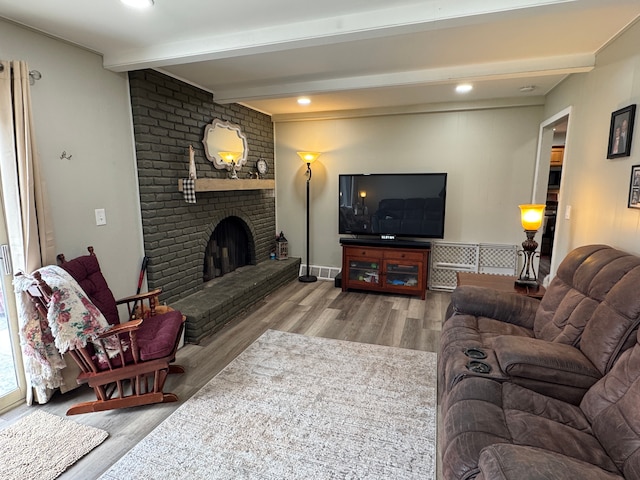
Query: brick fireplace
(168, 116)
(230, 247)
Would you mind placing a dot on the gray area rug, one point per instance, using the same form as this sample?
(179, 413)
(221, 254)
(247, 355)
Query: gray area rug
(298, 407)
(42, 446)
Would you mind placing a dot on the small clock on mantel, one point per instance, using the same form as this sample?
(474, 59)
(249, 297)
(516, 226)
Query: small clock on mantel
(262, 167)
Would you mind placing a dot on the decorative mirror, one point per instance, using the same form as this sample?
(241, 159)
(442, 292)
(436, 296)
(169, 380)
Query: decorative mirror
(225, 145)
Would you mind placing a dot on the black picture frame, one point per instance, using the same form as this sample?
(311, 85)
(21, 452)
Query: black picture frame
(634, 188)
(621, 132)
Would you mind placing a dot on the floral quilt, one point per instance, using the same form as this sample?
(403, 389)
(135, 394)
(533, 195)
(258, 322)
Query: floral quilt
(71, 322)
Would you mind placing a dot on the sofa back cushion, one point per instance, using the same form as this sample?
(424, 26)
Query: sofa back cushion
(613, 325)
(413, 208)
(389, 208)
(583, 280)
(611, 406)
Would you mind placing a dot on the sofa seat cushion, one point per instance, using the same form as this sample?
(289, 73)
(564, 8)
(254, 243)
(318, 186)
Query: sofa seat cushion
(480, 412)
(514, 462)
(473, 331)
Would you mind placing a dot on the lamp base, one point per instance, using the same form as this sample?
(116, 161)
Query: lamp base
(526, 282)
(307, 278)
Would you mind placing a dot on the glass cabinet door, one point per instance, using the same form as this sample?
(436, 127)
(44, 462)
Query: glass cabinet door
(362, 270)
(402, 275)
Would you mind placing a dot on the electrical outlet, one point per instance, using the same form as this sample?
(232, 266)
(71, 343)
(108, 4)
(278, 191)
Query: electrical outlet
(101, 216)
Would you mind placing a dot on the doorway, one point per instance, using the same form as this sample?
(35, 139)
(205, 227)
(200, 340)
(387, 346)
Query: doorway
(550, 166)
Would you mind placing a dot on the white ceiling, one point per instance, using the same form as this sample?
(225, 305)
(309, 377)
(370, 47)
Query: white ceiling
(346, 55)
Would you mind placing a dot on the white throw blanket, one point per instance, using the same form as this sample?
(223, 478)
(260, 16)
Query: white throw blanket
(72, 320)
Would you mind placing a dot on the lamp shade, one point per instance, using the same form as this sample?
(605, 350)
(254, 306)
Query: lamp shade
(309, 157)
(229, 157)
(363, 194)
(531, 216)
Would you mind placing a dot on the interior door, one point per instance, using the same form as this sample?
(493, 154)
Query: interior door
(553, 131)
(12, 380)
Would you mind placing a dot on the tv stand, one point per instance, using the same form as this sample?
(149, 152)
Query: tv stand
(392, 266)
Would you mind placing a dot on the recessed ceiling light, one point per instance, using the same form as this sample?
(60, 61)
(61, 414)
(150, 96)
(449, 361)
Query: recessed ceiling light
(464, 88)
(138, 3)
(304, 101)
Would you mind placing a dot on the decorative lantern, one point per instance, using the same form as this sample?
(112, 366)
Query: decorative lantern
(282, 247)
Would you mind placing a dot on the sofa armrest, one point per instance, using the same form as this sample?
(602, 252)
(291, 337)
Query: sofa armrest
(555, 365)
(486, 302)
(515, 462)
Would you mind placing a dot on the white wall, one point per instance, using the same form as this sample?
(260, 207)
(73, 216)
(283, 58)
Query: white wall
(597, 188)
(83, 109)
(489, 155)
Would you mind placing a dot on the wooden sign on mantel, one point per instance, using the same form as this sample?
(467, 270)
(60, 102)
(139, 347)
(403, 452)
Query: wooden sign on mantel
(226, 184)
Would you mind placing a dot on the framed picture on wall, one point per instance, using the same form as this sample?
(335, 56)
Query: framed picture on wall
(621, 131)
(634, 188)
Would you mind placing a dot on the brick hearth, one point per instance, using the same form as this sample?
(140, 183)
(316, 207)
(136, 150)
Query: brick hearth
(224, 297)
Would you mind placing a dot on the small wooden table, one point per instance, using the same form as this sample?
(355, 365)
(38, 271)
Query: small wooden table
(504, 283)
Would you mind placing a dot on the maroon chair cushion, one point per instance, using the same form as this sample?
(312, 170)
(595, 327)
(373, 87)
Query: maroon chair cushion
(86, 271)
(156, 338)
(158, 335)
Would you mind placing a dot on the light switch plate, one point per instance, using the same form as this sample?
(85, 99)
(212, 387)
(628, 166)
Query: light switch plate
(567, 212)
(101, 216)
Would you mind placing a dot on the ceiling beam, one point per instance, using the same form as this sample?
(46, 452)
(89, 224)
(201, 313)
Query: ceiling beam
(562, 65)
(396, 20)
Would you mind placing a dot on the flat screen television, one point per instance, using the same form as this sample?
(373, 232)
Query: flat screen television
(392, 205)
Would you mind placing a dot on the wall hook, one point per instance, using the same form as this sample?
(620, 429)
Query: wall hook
(64, 155)
(33, 76)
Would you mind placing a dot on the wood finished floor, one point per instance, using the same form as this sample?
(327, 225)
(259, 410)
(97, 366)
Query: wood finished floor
(316, 309)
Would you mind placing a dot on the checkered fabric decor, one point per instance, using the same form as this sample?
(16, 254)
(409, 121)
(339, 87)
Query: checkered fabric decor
(189, 190)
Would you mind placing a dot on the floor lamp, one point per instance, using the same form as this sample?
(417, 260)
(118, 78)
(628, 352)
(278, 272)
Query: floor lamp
(308, 158)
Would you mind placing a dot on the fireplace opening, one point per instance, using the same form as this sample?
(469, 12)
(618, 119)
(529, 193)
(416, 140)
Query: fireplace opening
(228, 249)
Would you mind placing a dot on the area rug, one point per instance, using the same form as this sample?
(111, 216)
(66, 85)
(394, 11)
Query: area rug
(43, 446)
(298, 407)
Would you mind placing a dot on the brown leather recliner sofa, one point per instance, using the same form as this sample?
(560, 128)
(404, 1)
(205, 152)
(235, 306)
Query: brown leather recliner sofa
(558, 346)
(545, 389)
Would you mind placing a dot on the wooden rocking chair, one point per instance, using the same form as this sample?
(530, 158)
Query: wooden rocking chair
(145, 346)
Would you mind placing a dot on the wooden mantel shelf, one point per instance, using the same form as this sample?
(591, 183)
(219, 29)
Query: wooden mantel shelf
(226, 184)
